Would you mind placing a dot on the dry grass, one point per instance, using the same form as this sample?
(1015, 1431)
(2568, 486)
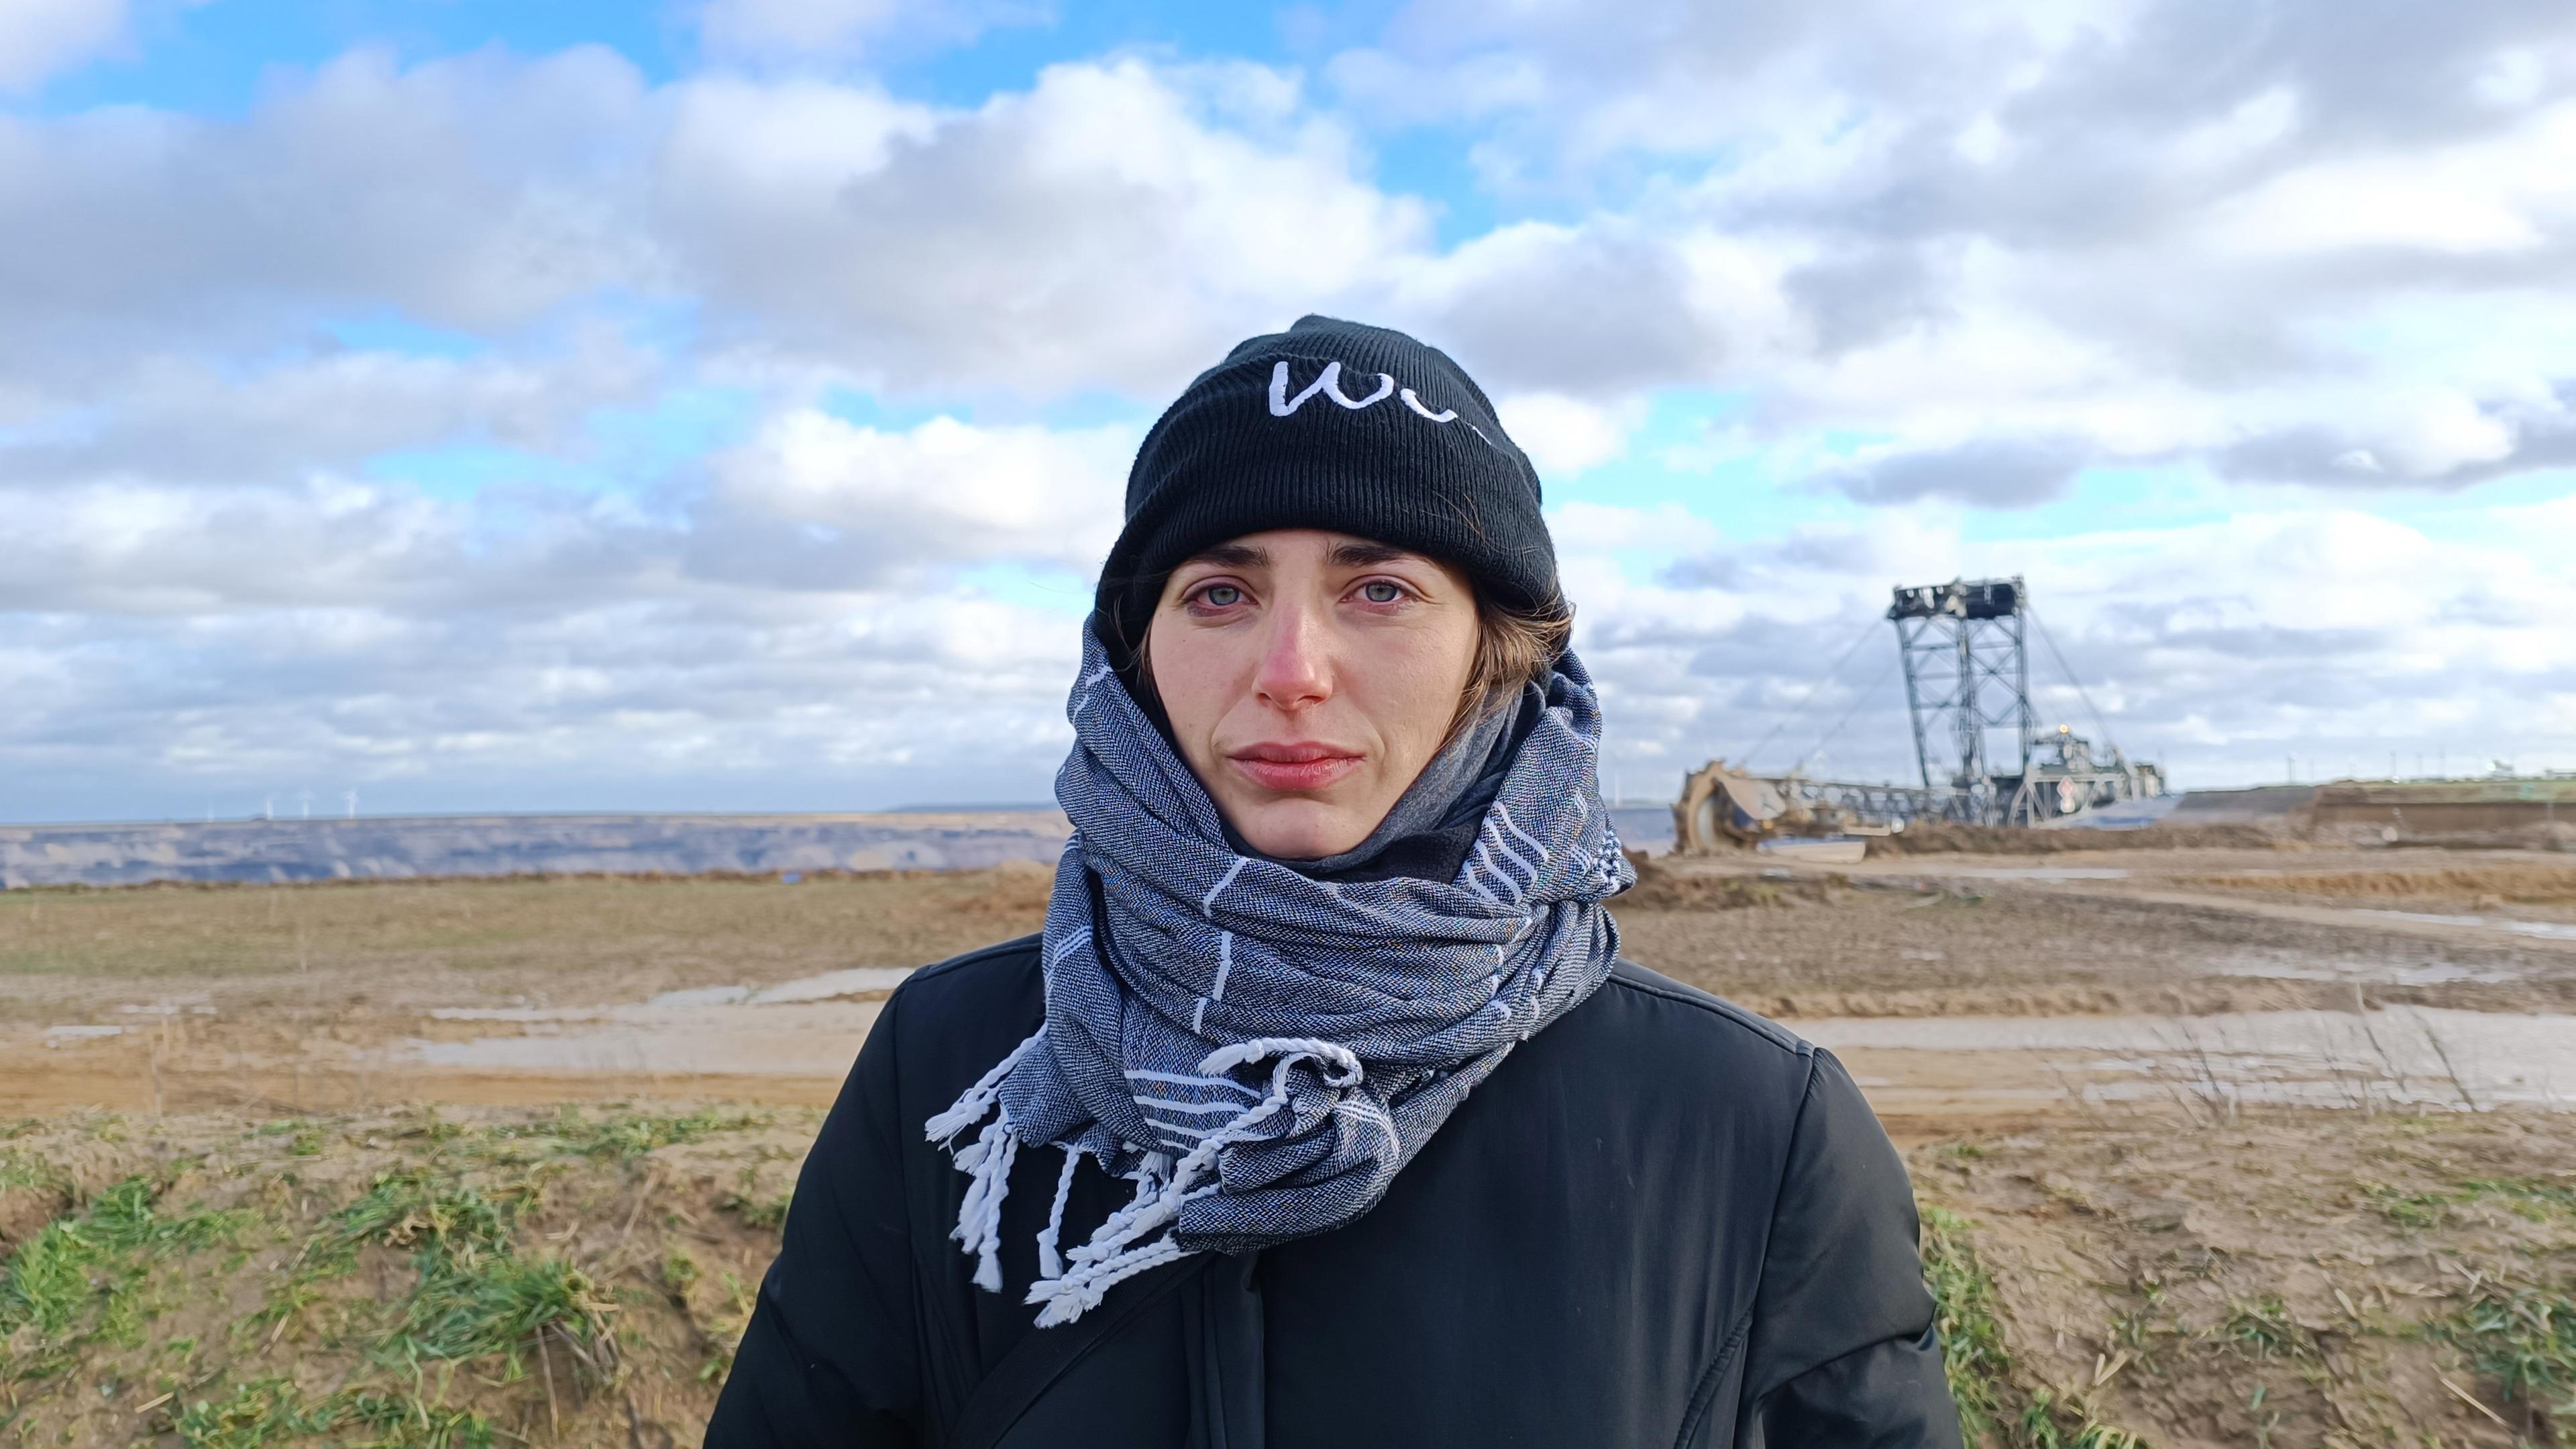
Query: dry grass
(402, 1277)
(542, 939)
(2298, 1277)
(1937, 837)
(396, 1279)
(2496, 882)
(1886, 948)
(411, 1278)
(1662, 887)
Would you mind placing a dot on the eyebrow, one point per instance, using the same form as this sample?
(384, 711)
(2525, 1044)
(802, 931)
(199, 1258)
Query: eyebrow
(1233, 556)
(1348, 555)
(1361, 555)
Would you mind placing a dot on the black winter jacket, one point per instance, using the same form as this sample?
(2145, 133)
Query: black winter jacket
(1663, 1221)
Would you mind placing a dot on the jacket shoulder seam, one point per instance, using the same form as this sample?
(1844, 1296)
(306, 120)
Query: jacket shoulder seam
(1755, 1393)
(1017, 945)
(1726, 1011)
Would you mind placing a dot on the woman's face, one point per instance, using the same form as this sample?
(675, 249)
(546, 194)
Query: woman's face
(1309, 677)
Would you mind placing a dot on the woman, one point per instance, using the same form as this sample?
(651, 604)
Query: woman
(1323, 1112)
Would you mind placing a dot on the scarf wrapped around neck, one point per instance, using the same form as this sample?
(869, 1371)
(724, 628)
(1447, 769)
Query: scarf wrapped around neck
(1259, 1050)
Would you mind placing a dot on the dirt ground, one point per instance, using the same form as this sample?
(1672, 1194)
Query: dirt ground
(2283, 1278)
(411, 1276)
(1884, 943)
(2226, 1144)
(317, 997)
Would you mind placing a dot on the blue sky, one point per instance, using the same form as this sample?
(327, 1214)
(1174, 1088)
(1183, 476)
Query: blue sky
(723, 404)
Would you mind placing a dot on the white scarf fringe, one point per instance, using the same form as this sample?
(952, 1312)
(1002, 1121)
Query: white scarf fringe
(1072, 1284)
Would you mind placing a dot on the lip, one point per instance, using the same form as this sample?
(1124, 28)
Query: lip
(1288, 768)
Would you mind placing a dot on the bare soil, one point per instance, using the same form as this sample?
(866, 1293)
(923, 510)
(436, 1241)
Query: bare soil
(2121, 1251)
(2313, 1278)
(397, 945)
(409, 1277)
(1942, 838)
(1892, 942)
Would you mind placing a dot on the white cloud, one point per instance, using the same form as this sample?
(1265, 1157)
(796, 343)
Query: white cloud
(1600, 528)
(170, 640)
(2505, 193)
(816, 502)
(1567, 436)
(1598, 310)
(1112, 229)
(176, 415)
(827, 30)
(2329, 631)
(2125, 225)
(39, 38)
(810, 504)
(476, 193)
(1934, 257)
(2253, 126)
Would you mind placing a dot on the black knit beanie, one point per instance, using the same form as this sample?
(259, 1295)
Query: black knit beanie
(1330, 425)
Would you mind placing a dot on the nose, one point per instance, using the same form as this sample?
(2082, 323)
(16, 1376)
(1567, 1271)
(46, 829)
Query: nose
(1296, 670)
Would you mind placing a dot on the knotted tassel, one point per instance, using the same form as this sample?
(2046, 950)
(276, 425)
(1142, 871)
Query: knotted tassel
(979, 1217)
(1050, 1262)
(1115, 1253)
(978, 1099)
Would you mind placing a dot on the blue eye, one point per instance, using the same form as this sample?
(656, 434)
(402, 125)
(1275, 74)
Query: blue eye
(1379, 591)
(1221, 596)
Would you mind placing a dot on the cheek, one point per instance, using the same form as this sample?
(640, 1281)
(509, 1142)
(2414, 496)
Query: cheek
(1417, 677)
(1193, 675)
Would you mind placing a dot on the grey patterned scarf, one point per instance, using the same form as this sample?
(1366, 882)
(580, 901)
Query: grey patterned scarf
(1261, 1051)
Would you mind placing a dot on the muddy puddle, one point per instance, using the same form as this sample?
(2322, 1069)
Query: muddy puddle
(2364, 971)
(817, 1039)
(859, 982)
(2037, 872)
(808, 1027)
(2537, 930)
(2394, 1054)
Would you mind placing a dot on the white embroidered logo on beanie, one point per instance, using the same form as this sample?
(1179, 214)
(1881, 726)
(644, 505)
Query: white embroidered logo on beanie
(1329, 383)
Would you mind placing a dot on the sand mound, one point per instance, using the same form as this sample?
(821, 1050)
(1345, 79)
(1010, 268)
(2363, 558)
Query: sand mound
(1663, 886)
(1936, 837)
(2535, 884)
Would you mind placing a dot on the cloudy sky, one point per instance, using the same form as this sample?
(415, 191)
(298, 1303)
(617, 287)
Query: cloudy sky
(477, 404)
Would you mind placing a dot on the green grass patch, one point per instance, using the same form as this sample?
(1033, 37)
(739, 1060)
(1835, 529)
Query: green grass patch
(434, 1212)
(264, 1411)
(459, 1285)
(2523, 1337)
(765, 1211)
(626, 1135)
(2261, 1327)
(473, 1303)
(1993, 1408)
(474, 1297)
(17, 1169)
(2529, 1198)
(1972, 1339)
(2408, 1209)
(2532, 1199)
(2049, 1423)
(254, 1414)
(82, 1276)
(497, 1307)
